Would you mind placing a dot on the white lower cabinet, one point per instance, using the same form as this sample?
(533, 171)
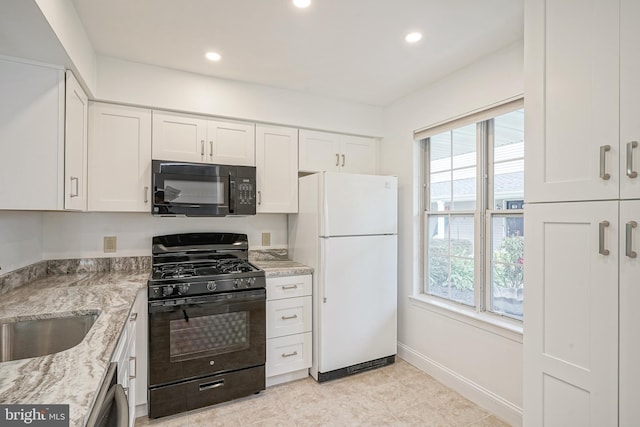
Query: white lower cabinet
(288, 328)
(131, 358)
(571, 314)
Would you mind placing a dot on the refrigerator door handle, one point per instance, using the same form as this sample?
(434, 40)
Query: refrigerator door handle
(323, 267)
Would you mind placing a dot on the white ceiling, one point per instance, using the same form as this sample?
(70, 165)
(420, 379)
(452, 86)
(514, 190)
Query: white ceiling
(348, 49)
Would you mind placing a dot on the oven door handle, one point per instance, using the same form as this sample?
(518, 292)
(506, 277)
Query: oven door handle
(223, 299)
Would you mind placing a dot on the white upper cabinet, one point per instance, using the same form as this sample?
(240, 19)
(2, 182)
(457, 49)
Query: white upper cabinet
(75, 146)
(572, 100)
(277, 169)
(119, 158)
(629, 100)
(31, 136)
(231, 143)
(324, 151)
(358, 154)
(188, 138)
(319, 151)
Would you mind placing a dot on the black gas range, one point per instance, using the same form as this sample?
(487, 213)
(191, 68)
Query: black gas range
(207, 334)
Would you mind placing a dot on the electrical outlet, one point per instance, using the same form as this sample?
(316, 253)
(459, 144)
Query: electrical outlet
(109, 244)
(266, 239)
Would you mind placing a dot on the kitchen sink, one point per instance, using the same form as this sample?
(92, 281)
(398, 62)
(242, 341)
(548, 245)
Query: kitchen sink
(33, 338)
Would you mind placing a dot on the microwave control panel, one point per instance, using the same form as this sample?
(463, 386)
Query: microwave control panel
(245, 192)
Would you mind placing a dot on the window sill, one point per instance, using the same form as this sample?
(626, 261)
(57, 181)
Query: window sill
(486, 321)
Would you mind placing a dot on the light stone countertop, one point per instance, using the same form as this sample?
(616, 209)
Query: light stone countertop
(282, 268)
(72, 376)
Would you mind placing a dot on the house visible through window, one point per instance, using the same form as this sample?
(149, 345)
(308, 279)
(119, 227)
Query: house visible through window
(473, 218)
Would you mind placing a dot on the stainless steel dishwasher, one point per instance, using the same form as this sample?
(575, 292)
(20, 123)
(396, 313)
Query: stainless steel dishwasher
(111, 408)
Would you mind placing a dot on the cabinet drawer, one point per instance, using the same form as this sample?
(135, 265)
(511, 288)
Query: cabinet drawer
(288, 287)
(288, 354)
(288, 316)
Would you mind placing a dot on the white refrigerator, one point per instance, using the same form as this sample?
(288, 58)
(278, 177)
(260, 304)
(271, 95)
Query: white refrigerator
(346, 229)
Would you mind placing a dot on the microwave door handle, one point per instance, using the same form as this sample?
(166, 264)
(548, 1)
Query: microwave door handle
(232, 196)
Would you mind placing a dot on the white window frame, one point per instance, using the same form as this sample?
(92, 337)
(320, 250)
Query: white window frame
(483, 219)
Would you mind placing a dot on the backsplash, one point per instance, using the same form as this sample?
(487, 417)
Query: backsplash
(17, 278)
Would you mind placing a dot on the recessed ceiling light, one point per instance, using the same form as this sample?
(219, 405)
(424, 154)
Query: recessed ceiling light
(301, 3)
(213, 56)
(413, 37)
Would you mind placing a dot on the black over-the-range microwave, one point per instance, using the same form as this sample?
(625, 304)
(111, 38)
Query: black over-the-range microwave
(202, 189)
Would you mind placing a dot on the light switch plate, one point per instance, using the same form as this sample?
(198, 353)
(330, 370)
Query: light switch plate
(109, 244)
(266, 239)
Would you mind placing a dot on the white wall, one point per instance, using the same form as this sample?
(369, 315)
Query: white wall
(64, 20)
(147, 85)
(481, 363)
(80, 235)
(20, 239)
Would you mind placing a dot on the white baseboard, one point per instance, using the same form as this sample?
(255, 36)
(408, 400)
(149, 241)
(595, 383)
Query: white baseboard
(141, 410)
(284, 378)
(490, 401)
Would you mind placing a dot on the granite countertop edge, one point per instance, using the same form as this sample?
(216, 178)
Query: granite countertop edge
(73, 376)
(282, 268)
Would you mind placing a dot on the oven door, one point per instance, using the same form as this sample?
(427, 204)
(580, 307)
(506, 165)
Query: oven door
(198, 336)
(191, 189)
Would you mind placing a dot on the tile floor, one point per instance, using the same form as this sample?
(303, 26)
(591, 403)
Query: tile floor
(396, 395)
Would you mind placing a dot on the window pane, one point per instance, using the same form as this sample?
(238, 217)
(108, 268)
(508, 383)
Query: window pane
(464, 146)
(507, 264)
(450, 252)
(508, 160)
(464, 189)
(440, 152)
(440, 191)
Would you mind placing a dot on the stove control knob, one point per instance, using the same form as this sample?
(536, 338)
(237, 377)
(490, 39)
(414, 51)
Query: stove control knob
(237, 283)
(167, 290)
(250, 281)
(183, 288)
(211, 286)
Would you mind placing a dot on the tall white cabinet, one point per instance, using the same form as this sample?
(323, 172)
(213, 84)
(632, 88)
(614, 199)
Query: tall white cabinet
(75, 145)
(582, 86)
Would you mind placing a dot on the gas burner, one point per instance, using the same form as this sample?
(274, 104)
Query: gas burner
(175, 271)
(234, 266)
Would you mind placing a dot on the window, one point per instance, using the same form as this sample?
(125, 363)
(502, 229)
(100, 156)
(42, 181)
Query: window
(473, 214)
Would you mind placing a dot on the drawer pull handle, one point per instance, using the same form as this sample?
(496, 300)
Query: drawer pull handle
(295, 316)
(286, 287)
(630, 146)
(603, 168)
(601, 229)
(294, 353)
(211, 385)
(135, 367)
(629, 239)
(74, 178)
